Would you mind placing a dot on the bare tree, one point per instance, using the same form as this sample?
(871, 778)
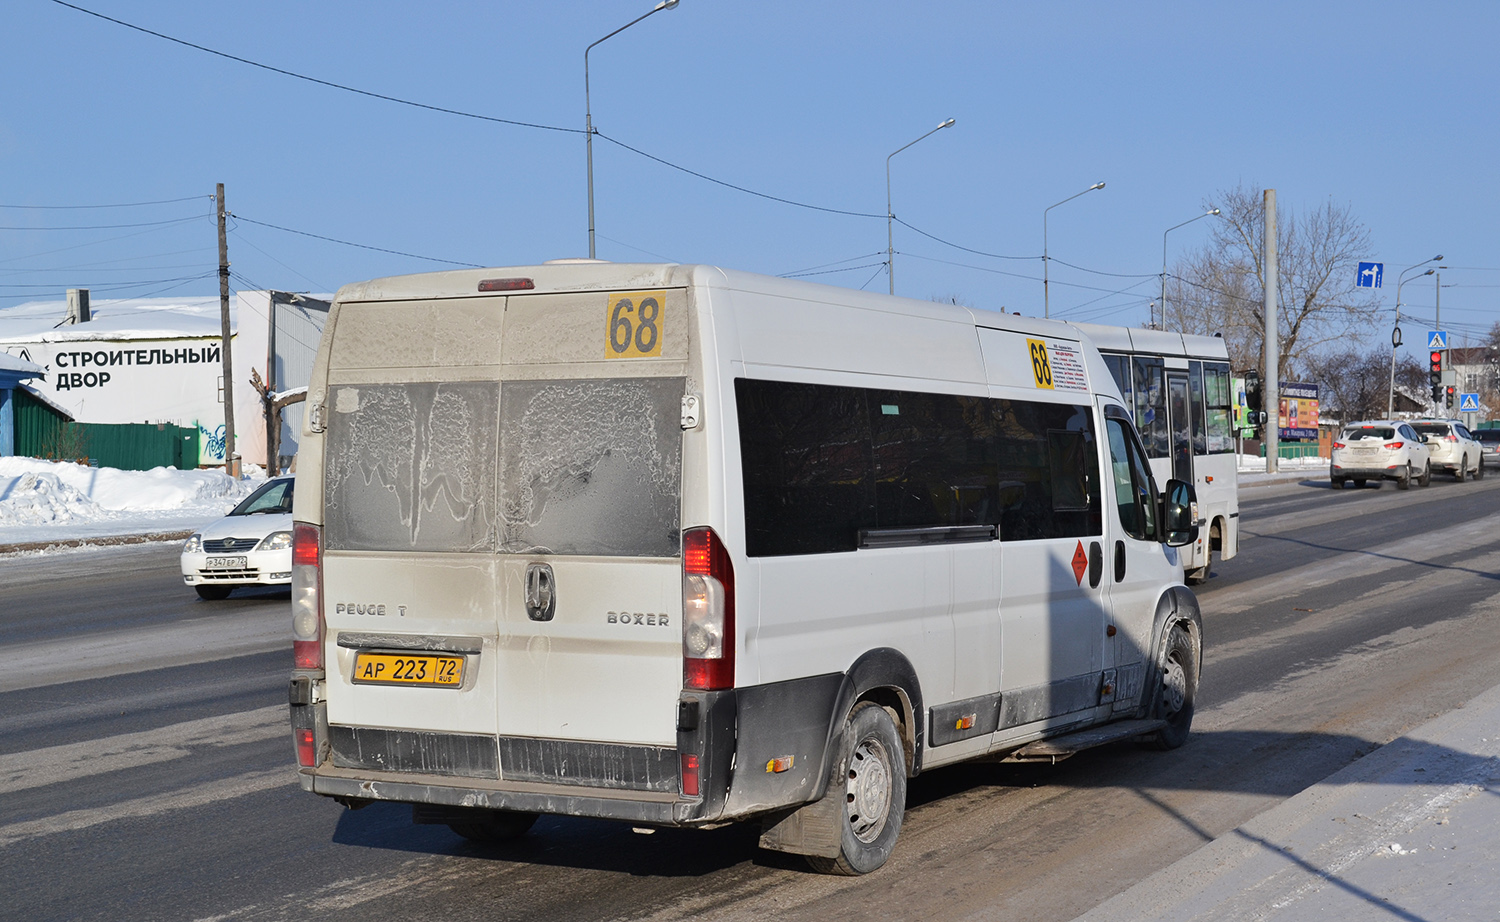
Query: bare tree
(1354, 385)
(1220, 288)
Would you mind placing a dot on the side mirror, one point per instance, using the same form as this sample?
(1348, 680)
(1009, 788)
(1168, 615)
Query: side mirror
(1179, 514)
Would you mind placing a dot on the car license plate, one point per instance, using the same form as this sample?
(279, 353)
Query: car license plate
(224, 563)
(432, 669)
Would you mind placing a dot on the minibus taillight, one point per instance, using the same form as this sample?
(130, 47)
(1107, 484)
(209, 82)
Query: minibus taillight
(307, 596)
(707, 611)
(306, 751)
(690, 774)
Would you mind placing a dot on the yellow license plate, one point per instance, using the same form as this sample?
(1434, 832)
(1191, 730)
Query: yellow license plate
(433, 669)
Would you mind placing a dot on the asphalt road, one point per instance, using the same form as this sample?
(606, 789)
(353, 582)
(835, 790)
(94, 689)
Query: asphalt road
(146, 766)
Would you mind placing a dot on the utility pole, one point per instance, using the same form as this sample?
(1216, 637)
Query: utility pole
(231, 460)
(1271, 380)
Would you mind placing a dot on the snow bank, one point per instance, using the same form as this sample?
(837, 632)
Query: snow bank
(46, 500)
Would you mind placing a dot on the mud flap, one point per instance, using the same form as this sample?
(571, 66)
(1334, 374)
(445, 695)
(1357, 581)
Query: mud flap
(812, 829)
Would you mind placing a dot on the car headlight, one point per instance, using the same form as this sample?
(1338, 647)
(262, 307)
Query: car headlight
(275, 541)
(193, 545)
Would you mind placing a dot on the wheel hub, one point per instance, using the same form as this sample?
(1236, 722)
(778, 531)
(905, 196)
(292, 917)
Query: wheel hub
(1174, 687)
(869, 790)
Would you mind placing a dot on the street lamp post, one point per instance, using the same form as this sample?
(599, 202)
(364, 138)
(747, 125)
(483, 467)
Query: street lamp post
(1390, 402)
(1206, 214)
(588, 115)
(1046, 300)
(890, 216)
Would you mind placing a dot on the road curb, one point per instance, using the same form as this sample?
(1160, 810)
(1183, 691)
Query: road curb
(95, 541)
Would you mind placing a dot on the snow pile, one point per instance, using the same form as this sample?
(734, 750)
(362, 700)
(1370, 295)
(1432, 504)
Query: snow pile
(43, 499)
(58, 500)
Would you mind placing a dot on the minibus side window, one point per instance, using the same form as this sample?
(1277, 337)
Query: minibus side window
(805, 450)
(1135, 494)
(821, 462)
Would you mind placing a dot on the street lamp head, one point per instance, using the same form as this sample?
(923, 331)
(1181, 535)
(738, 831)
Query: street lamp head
(1213, 211)
(1429, 272)
(946, 124)
(666, 5)
(1097, 185)
(1437, 259)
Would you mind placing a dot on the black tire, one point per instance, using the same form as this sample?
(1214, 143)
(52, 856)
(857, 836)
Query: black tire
(1479, 470)
(1426, 475)
(1338, 482)
(1176, 686)
(1461, 473)
(1404, 481)
(874, 793)
(213, 593)
(1359, 483)
(490, 827)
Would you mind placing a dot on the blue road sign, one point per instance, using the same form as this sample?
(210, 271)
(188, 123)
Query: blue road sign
(1369, 275)
(1468, 403)
(1437, 339)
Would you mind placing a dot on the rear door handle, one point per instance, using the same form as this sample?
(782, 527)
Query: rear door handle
(1096, 564)
(1119, 560)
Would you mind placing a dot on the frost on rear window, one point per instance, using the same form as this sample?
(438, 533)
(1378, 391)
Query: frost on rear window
(412, 467)
(591, 467)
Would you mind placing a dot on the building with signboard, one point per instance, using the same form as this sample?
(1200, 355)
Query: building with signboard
(160, 360)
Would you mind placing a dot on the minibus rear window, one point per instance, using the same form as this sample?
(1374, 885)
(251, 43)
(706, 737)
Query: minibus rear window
(591, 466)
(411, 467)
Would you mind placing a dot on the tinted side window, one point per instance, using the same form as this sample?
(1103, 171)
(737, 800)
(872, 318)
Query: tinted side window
(822, 462)
(809, 478)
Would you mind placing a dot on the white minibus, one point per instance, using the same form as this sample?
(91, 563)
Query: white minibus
(678, 545)
(1179, 387)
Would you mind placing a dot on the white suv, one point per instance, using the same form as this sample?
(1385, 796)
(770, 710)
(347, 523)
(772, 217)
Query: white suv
(1380, 450)
(1454, 449)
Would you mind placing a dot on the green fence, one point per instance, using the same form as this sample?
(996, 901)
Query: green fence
(42, 432)
(1293, 450)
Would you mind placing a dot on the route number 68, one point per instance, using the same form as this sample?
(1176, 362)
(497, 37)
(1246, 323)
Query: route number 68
(633, 322)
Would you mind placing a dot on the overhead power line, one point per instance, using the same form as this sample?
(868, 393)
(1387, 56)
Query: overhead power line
(956, 246)
(104, 226)
(348, 243)
(328, 83)
(729, 185)
(168, 201)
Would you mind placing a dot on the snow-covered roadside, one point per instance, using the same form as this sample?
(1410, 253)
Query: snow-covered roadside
(61, 501)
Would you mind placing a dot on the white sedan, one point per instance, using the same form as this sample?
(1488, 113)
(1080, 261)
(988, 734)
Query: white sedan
(251, 546)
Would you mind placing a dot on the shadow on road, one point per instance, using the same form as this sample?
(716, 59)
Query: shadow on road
(1264, 763)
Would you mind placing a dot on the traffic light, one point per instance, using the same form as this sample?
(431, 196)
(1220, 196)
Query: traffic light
(1448, 396)
(1435, 368)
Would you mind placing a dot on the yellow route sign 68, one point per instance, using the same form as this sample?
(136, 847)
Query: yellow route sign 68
(633, 324)
(1041, 367)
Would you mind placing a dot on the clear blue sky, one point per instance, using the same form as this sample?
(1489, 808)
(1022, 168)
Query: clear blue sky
(1389, 108)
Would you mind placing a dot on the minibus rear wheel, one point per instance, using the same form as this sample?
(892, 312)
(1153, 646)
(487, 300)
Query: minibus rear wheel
(873, 792)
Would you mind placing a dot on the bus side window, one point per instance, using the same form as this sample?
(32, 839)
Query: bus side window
(1195, 399)
(1151, 404)
(1216, 384)
(1135, 495)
